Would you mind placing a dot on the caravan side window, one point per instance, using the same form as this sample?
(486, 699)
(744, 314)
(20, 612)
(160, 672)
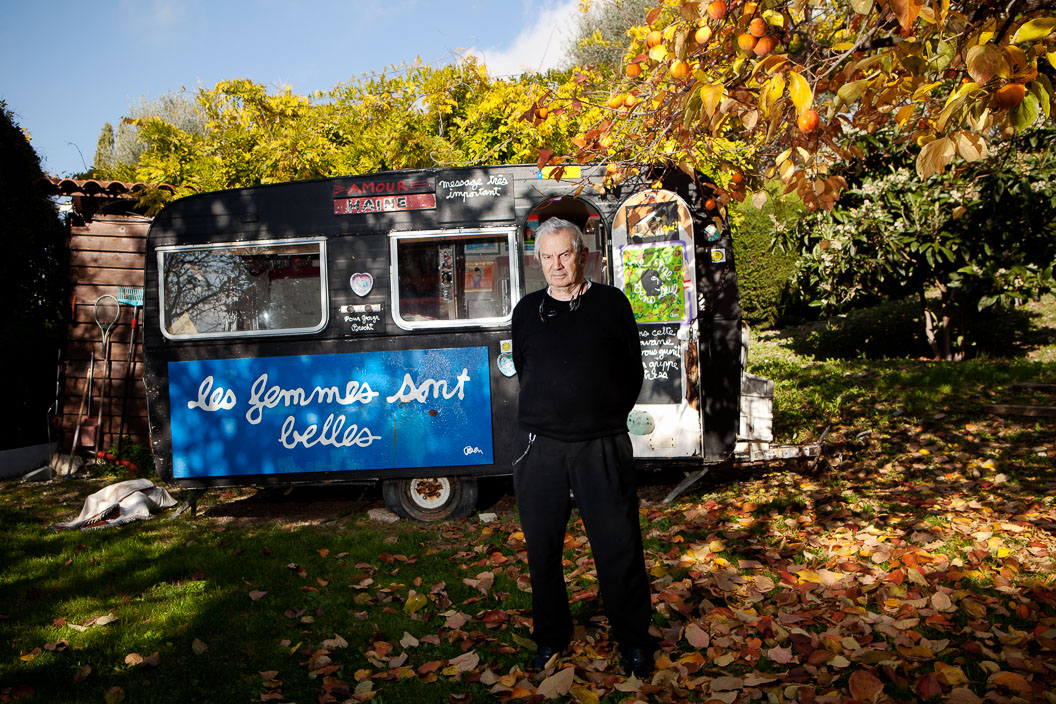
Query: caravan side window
(239, 289)
(453, 279)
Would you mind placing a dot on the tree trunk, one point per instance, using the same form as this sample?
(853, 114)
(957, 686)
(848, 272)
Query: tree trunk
(929, 325)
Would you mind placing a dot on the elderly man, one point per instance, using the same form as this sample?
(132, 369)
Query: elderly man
(578, 359)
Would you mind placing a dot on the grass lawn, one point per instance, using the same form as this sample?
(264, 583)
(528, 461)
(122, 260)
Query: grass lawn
(915, 564)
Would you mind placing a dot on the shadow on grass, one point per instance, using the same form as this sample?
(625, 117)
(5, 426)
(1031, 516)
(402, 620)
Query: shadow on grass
(896, 330)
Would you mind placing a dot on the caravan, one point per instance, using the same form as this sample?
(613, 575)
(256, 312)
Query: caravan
(358, 328)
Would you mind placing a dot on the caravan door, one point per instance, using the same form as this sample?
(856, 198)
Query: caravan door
(653, 263)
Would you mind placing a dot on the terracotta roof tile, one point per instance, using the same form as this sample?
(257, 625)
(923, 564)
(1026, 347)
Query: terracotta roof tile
(94, 187)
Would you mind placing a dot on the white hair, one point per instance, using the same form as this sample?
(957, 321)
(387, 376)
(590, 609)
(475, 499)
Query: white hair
(555, 225)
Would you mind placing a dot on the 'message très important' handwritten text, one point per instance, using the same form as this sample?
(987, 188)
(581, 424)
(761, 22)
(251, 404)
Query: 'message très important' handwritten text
(335, 430)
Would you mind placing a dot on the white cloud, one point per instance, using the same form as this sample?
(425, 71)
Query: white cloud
(540, 46)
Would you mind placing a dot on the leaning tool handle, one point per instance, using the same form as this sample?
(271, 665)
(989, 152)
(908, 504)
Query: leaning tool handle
(129, 296)
(130, 373)
(80, 417)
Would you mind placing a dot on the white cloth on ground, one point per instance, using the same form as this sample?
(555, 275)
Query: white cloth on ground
(117, 504)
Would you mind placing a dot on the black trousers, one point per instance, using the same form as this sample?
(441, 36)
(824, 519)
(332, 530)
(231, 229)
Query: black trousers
(601, 474)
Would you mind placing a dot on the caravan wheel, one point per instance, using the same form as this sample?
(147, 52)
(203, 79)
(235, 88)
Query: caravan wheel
(431, 498)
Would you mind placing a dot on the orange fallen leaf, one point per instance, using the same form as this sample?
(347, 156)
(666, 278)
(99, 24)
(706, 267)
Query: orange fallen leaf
(865, 685)
(1011, 680)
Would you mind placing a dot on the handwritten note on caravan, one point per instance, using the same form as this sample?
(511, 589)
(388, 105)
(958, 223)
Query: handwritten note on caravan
(318, 413)
(477, 195)
(662, 359)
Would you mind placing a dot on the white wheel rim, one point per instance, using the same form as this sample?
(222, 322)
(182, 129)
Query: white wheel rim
(431, 493)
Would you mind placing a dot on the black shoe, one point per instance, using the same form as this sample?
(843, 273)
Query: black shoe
(543, 655)
(639, 662)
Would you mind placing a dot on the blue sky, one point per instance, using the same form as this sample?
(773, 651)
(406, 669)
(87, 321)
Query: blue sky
(68, 67)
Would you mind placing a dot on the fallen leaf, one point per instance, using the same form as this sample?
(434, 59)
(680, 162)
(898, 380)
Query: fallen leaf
(256, 594)
(82, 674)
(940, 601)
(456, 619)
(466, 661)
(198, 646)
(963, 695)
(584, 695)
(408, 641)
(114, 695)
(779, 655)
(1011, 680)
(928, 686)
(415, 602)
(950, 675)
(133, 659)
(335, 642)
(727, 684)
(557, 684)
(865, 685)
(697, 636)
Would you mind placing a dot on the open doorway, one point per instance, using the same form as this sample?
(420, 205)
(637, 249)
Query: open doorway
(595, 236)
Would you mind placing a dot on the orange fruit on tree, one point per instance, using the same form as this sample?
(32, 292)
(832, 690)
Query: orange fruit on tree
(653, 38)
(1009, 96)
(630, 101)
(615, 100)
(737, 178)
(764, 46)
(633, 70)
(808, 121)
(702, 35)
(605, 142)
(746, 43)
(757, 27)
(749, 9)
(709, 204)
(679, 68)
(717, 9)
(542, 113)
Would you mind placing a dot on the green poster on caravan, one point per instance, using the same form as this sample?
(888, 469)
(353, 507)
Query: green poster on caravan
(653, 281)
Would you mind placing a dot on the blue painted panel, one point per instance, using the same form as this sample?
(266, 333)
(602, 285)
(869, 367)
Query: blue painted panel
(336, 412)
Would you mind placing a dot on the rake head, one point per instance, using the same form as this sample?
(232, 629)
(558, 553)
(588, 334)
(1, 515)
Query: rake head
(130, 295)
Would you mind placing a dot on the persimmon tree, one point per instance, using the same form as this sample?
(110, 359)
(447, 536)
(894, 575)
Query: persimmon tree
(776, 88)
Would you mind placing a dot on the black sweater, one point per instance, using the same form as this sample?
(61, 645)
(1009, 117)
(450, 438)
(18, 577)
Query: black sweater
(580, 372)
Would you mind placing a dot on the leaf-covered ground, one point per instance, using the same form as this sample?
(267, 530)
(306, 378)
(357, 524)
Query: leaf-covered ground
(914, 564)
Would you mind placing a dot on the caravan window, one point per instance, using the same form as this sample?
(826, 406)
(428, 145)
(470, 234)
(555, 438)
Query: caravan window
(238, 289)
(445, 279)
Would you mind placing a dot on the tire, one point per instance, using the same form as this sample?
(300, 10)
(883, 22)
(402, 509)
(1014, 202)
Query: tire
(430, 499)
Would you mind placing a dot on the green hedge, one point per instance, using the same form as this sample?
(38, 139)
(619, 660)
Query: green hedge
(763, 272)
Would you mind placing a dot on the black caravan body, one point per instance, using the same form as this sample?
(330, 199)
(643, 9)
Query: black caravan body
(358, 328)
